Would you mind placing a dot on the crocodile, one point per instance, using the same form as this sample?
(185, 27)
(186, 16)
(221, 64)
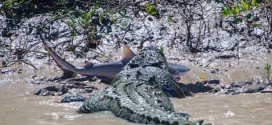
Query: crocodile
(139, 93)
(105, 71)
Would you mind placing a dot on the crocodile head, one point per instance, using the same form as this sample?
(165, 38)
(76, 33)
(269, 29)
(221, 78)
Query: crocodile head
(149, 56)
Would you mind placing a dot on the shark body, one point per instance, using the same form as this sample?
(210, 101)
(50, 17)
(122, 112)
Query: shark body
(106, 71)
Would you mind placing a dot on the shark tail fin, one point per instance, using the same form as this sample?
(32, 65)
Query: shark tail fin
(67, 68)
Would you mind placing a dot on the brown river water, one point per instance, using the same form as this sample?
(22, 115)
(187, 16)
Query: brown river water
(18, 105)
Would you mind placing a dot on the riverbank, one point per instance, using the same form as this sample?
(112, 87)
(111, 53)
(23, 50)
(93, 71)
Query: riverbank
(227, 56)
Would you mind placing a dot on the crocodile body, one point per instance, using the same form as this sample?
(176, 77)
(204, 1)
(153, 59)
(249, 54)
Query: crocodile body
(139, 93)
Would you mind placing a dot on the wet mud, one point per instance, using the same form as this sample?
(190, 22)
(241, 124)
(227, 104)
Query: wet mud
(19, 105)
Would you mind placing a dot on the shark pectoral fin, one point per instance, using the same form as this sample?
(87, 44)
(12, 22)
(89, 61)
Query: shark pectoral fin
(177, 70)
(127, 54)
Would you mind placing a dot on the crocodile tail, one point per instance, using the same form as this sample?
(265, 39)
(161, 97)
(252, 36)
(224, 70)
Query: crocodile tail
(67, 68)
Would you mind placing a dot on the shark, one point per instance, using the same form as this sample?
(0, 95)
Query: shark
(106, 71)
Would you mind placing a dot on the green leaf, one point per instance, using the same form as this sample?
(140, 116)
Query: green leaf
(150, 9)
(226, 11)
(87, 16)
(95, 8)
(267, 67)
(153, 12)
(237, 20)
(245, 5)
(113, 20)
(248, 16)
(93, 32)
(161, 49)
(70, 24)
(236, 9)
(253, 2)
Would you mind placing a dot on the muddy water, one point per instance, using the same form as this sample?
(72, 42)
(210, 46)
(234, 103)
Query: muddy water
(18, 105)
(243, 109)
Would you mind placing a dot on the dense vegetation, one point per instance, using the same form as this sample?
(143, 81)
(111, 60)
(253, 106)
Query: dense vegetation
(87, 16)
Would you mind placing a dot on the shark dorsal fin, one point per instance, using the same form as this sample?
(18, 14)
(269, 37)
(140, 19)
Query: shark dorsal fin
(127, 53)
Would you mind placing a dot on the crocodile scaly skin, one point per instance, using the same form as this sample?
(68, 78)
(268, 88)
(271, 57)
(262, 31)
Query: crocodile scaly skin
(139, 93)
